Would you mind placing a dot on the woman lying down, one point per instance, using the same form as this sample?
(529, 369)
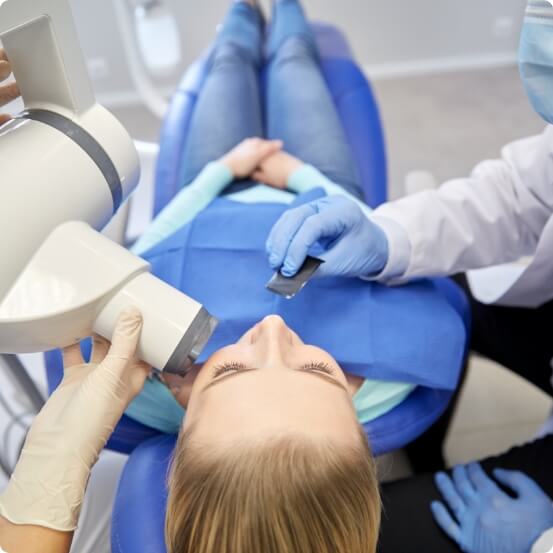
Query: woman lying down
(272, 456)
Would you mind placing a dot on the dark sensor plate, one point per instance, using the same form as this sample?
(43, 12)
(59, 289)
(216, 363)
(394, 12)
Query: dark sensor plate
(289, 287)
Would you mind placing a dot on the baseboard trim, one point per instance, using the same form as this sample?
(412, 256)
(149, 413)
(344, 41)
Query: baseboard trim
(439, 65)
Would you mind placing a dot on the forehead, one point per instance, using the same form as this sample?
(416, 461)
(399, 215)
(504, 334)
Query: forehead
(258, 402)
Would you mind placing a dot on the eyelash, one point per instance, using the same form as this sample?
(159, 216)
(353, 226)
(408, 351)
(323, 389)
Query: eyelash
(320, 367)
(227, 368)
(235, 367)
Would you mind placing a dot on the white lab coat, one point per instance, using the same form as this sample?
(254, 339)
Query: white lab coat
(501, 213)
(544, 543)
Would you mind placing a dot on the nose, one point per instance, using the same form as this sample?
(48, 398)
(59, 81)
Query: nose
(273, 328)
(273, 341)
(273, 321)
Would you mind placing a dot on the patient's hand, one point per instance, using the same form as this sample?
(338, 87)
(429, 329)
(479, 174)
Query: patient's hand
(277, 169)
(8, 92)
(249, 154)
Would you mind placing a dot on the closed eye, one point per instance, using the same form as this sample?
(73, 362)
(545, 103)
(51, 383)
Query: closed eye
(319, 367)
(225, 368)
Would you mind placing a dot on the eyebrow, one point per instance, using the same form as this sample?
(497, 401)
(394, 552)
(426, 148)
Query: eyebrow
(320, 375)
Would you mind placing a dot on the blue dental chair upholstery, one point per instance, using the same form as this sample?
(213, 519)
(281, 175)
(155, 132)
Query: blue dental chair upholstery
(139, 510)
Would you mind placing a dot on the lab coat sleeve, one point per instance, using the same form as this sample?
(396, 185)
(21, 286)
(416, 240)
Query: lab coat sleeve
(495, 216)
(185, 205)
(307, 177)
(544, 544)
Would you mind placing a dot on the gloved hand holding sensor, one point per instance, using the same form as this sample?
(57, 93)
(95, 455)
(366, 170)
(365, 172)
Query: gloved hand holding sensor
(290, 287)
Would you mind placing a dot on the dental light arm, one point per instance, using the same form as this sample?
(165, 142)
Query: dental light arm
(66, 165)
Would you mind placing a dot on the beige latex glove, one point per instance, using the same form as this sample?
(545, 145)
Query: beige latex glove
(50, 479)
(8, 92)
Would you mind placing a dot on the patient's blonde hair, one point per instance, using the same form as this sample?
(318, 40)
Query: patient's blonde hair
(288, 495)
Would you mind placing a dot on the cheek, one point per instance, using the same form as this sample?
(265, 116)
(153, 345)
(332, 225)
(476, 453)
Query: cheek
(230, 354)
(318, 355)
(248, 338)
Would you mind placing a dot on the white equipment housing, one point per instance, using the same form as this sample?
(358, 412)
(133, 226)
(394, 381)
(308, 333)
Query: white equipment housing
(67, 166)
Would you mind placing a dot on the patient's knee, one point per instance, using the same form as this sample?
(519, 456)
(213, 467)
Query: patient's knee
(296, 48)
(229, 54)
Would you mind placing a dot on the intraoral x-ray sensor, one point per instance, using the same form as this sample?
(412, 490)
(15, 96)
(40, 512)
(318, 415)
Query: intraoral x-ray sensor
(67, 166)
(290, 287)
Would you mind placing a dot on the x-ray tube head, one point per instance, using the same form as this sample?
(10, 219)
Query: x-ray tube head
(67, 166)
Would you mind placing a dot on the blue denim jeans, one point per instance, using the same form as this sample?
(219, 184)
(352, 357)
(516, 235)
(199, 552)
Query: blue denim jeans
(295, 105)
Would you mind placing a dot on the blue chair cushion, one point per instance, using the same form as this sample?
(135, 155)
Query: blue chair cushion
(138, 519)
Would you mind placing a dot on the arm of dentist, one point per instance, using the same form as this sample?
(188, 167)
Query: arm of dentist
(39, 510)
(495, 216)
(482, 518)
(33, 539)
(355, 245)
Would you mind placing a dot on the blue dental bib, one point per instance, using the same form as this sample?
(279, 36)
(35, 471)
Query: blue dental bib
(403, 334)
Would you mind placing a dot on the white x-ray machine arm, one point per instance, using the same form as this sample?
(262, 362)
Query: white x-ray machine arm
(66, 165)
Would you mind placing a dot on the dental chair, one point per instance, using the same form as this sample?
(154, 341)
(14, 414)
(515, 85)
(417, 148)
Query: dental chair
(139, 510)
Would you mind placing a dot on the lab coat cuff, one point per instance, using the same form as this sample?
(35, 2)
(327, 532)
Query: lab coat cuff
(399, 250)
(545, 543)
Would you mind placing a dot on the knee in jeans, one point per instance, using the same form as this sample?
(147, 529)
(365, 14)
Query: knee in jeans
(230, 53)
(295, 48)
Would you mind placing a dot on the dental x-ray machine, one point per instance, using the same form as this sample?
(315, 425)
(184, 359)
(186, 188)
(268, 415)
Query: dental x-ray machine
(66, 166)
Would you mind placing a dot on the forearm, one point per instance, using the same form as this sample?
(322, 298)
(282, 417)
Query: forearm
(495, 216)
(32, 539)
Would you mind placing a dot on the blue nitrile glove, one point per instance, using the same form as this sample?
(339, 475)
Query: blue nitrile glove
(485, 519)
(353, 246)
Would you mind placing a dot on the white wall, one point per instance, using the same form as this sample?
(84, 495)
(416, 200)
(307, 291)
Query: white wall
(388, 36)
(407, 35)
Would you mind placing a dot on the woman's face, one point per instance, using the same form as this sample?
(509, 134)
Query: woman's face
(270, 383)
